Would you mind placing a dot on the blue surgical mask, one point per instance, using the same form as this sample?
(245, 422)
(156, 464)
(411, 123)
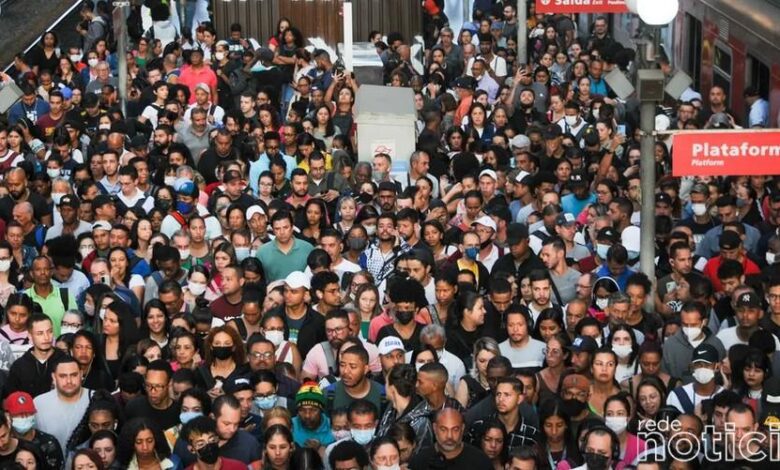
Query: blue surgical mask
(184, 207)
(187, 416)
(242, 253)
(362, 436)
(265, 403)
(472, 253)
(22, 425)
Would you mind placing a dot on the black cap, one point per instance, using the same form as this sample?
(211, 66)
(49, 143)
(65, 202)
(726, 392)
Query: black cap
(237, 384)
(69, 200)
(608, 234)
(553, 131)
(516, 232)
(464, 82)
(705, 352)
(663, 198)
(577, 178)
(583, 344)
(101, 200)
(748, 300)
(231, 175)
(265, 54)
(729, 240)
(90, 100)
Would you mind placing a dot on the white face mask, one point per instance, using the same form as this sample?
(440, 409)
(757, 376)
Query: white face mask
(104, 127)
(596, 113)
(571, 120)
(602, 303)
(370, 229)
(699, 209)
(691, 332)
(617, 423)
(771, 258)
(389, 467)
(53, 173)
(275, 336)
(68, 329)
(84, 252)
(75, 58)
(703, 375)
(622, 350)
(196, 288)
(169, 180)
(219, 55)
(102, 314)
(92, 62)
(184, 254)
(5, 265)
(55, 197)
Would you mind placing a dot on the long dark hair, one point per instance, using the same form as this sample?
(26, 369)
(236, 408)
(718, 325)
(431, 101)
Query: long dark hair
(154, 303)
(552, 408)
(126, 446)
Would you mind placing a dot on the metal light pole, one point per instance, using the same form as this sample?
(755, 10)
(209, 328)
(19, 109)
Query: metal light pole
(647, 210)
(348, 49)
(120, 33)
(522, 32)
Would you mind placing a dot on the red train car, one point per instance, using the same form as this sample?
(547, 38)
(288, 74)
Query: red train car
(733, 44)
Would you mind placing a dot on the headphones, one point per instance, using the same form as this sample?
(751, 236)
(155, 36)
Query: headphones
(614, 439)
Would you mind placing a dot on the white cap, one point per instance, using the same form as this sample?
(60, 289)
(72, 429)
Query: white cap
(486, 221)
(630, 238)
(297, 279)
(488, 172)
(662, 122)
(390, 344)
(255, 209)
(101, 225)
(520, 141)
(521, 176)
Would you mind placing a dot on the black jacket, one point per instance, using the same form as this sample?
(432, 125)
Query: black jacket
(312, 330)
(27, 374)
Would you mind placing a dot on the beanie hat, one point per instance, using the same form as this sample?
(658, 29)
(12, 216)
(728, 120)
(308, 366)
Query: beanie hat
(310, 394)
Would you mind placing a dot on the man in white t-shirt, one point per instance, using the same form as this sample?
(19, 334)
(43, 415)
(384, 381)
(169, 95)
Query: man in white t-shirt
(520, 348)
(749, 314)
(331, 242)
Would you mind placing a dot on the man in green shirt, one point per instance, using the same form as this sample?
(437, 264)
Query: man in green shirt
(54, 302)
(285, 253)
(354, 383)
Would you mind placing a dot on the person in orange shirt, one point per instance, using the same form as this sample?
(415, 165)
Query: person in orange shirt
(464, 87)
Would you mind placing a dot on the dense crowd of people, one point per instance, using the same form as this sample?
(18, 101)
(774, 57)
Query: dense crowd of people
(209, 276)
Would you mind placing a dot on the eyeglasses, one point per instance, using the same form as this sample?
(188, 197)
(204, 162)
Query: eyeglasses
(71, 325)
(155, 387)
(259, 355)
(272, 147)
(333, 331)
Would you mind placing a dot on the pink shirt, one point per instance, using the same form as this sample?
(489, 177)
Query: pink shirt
(316, 365)
(190, 77)
(383, 319)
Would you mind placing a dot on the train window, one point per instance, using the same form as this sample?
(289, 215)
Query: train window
(693, 52)
(721, 69)
(757, 75)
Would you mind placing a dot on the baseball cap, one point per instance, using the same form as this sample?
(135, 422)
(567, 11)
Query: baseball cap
(749, 300)
(524, 178)
(101, 225)
(488, 172)
(705, 353)
(607, 234)
(139, 141)
(297, 279)
(231, 175)
(663, 198)
(583, 344)
(67, 93)
(464, 82)
(204, 87)
(237, 384)
(729, 240)
(390, 344)
(516, 232)
(486, 221)
(185, 187)
(578, 381)
(565, 219)
(553, 131)
(520, 141)
(631, 237)
(310, 394)
(101, 200)
(254, 209)
(19, 403)
(700, 188)
(577, 179)
(388, 186)
(69, 200)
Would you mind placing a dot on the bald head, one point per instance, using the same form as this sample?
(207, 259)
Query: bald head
(449, 417)
(116, 141)
(23, 213)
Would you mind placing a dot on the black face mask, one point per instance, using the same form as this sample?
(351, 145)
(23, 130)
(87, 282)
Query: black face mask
(404, 317)
(163, 204)
(596, 461)
(209, 453)
(572, 407)
(222, 352)
(485, 244)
